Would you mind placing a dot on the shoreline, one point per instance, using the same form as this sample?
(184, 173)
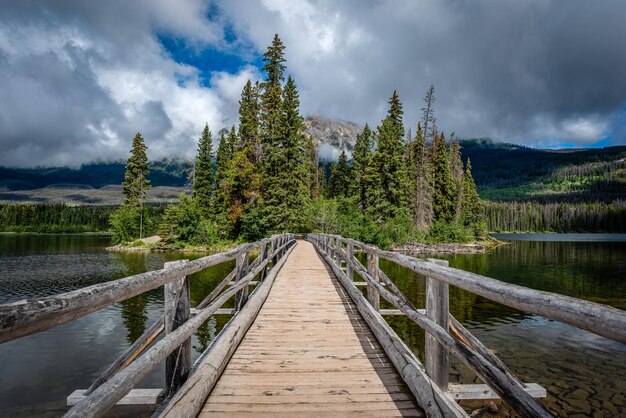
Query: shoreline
(478, 247)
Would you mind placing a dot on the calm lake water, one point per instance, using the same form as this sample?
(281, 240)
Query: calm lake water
(584, 374)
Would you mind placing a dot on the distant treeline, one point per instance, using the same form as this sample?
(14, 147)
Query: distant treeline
(556, 217)
(54, 218)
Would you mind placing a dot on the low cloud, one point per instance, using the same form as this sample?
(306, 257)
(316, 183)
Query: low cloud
(79, 79)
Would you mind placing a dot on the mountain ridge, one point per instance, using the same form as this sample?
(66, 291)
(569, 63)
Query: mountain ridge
(502, 171)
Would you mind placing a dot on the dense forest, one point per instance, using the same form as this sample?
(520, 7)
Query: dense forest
(264, 178)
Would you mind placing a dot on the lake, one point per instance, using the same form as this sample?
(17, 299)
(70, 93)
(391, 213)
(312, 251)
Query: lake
(584, 374)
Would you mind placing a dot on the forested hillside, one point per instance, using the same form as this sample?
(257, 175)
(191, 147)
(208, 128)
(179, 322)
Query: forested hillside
(512, 172)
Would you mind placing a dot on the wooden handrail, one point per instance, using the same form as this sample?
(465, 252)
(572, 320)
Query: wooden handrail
(29, 316)
(109, 393)
(599, 319)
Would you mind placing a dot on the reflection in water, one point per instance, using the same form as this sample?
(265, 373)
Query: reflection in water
(206, 333)
(135, 316)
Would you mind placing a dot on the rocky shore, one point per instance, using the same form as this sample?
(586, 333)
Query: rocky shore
(479, 247)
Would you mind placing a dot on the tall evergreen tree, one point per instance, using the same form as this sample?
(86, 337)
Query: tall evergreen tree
(271, 97)
(287, 189)
(203, 177)
(472, 208)
(136, 184)
(420, 175)
(360, 160)
(444, 188)
(341, 177)
(387, 176)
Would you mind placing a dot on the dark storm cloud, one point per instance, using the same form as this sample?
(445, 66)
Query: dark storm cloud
(538, 72)
(78, 79)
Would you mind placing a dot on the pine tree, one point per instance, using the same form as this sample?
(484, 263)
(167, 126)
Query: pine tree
(249, 109)
(271, 97)
(341, 178)
(287, 175)
(203, 178)
(444, 188)
(472, 208)
(136, 184)
(422, 190)
(387, 176)
(360, 160)
(456, 170)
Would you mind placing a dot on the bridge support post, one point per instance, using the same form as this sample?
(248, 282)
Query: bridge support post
(242, 269)
(437, 309)
(372, 269)
(177, 312)
(350, 255)
(338, 252)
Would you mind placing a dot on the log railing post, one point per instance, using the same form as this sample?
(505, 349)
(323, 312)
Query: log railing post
(372, 269)
(338, 252)
(437, 309)
(263, 252)
(177, 312)
(349, 255)
(242, 269)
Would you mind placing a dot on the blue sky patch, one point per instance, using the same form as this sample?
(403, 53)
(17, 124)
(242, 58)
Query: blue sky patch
(207, 58)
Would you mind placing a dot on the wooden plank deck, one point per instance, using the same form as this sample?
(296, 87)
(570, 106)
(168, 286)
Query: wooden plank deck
(309, 352)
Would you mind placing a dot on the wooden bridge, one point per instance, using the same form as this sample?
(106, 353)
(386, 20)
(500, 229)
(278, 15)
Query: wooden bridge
(308, 340)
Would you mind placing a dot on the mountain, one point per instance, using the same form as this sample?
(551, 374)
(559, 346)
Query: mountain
(502, 172)
(331, 136)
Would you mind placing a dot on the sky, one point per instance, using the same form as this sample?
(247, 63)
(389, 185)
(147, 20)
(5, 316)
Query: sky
(78, 79)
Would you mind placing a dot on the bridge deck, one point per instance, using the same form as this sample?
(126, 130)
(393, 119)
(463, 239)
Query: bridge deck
(309, 352)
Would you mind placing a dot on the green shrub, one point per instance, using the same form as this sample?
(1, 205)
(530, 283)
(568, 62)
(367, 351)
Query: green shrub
(125, 224)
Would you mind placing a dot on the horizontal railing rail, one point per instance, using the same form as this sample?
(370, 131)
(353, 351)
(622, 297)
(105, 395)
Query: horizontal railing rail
(27, 317)
(445, 333)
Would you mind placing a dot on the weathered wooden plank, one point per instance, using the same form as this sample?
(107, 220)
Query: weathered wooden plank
(188, 401)
(484, 392)
(435, 402)
(306, 350)
(392, 312)
(322, 407)
(437, 306)
(134, 397)
(177, 305)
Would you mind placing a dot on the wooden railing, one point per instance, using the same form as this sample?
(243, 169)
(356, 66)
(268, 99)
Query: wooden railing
(445, 334)
(179, 321)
